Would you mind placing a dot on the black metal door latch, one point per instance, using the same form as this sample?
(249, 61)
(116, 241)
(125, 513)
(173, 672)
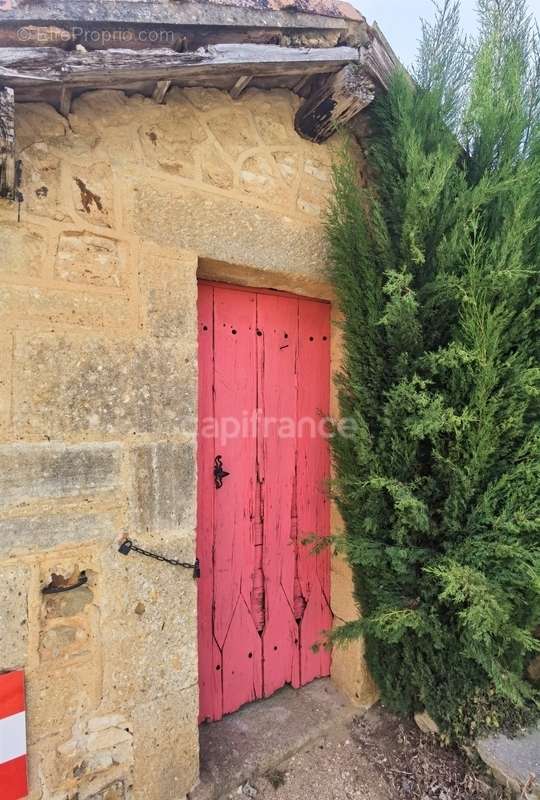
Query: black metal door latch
(219, 472)
(127, 546)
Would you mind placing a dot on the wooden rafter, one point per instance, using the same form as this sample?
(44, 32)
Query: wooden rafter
(160, 90)
(239, 86)
(26, 67)
(7, 143)
(343, 95)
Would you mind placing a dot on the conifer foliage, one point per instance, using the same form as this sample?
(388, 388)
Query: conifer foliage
(436, 269)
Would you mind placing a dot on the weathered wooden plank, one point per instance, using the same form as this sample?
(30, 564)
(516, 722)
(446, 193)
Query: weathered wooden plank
(378, 58)
(313, 472)
(210, 659)
(277, 321)
(157, 13)
(239, 86)
(100, 68)
(235, 388)
(242, 661)
(7, 143)
(65, 101)
(161, 89)
(343, 95)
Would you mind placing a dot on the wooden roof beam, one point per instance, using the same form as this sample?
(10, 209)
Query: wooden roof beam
(241, 84)
(343, 95)
(30, 67)
(160, 90)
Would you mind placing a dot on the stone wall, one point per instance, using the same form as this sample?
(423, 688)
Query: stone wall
(122, 204)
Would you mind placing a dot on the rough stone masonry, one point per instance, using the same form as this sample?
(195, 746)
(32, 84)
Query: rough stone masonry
(124, 204)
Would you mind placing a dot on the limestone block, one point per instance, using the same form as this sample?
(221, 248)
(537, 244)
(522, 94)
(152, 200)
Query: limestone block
(24, 251)
(84, 257)
(207, 99)
(41, 181)
(92, 191)
(234, 131)
(227, 230)
(14, 589)
(274, 128)
(166, 746)
(216, 171)
(98, 109)
(62, 641)
(48, 531)
(6, 358)
(319, 170)
(350, 673)
(257, 177)
(148, 623)
(71, 384)
(169, 141)
(168, 283)
(313, 193)
(32, 471)
(59, 698)
(76, 762)
(163, 494)
(25, 306)
(287, 163)
(37, 122)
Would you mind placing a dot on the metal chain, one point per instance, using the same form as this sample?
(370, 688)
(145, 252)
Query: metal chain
(127, 546)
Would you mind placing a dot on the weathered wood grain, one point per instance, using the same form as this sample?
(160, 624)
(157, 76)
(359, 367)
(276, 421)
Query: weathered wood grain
(104, 68)
(277, 320)
(343, 95)
(313, 472)
(210, 659)
(7, 143)
(235, 398)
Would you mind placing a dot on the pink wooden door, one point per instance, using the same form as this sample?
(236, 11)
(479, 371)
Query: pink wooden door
(263, 598)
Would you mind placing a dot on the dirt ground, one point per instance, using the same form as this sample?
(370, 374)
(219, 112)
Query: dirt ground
(376, 757)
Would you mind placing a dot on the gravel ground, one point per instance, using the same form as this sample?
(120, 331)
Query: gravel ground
(376, 757)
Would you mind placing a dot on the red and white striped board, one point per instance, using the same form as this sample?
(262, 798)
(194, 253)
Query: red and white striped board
(13, 779)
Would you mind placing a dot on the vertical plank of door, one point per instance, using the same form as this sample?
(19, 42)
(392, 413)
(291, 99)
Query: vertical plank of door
(277, 321)
(313, 472)
(210, 666)
(235, 383)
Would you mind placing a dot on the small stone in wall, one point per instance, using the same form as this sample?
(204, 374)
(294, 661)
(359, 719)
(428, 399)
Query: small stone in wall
(23, 251)
(62, 640)
(68, 604)
(272, 129)
(215, 170)
(256, 176)
(287, 164)
(40, 181)
(115, 791)
(234, 132)
(317, 170)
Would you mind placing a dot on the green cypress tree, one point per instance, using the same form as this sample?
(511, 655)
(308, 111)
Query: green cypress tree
(436, 269)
